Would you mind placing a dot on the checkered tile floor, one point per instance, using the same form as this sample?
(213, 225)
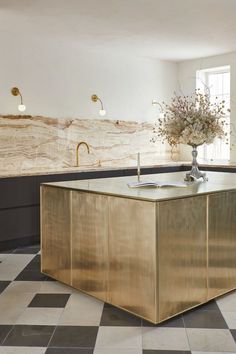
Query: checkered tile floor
(38, 315)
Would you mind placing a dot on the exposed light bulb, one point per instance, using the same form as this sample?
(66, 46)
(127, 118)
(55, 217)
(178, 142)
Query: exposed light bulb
(102, 112)
(21, 107)
(161, 115)
(154, 102)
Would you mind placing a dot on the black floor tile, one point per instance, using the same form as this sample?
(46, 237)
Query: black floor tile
(233, 332)
(74, 336)
(47, 278)
(69, 351)
(29, 336)
(204, 319)
(34, 265)
(112, 316)
(27, 250)
(4, 330)
(49, 300)
(172, 322)
(32, 272)
(3, 285)
(31, 276)
(7, 251)
(166, 352)
(209, 306)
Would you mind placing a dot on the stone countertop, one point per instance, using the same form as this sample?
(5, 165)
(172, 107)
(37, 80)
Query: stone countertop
(62, 170)
(66, 170)
(118, 186)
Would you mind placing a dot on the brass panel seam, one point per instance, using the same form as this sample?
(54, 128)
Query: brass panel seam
(157, 294)
(71, 239)
(41, 223)
(207, 244)
(108, 251)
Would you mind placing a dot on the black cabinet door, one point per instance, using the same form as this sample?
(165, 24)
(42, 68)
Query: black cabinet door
(17, 191)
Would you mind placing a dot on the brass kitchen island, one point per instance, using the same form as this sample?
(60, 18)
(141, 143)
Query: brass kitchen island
(154, 252)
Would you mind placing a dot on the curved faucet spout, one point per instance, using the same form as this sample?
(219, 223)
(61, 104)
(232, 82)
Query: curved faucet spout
(77, 151)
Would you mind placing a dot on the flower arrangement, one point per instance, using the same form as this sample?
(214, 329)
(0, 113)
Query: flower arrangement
(192, 120)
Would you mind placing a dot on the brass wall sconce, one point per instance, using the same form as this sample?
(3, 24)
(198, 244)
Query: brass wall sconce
(16, 92)
(156, 103)
(95, 98)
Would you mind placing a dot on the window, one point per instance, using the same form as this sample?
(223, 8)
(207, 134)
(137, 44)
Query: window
(216, 82)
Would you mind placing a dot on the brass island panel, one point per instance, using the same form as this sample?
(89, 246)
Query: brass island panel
(132, 255)
(90, 243)
(222, 243)
(182, 255)
(56, 233)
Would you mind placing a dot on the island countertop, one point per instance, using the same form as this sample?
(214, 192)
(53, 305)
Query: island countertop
(118, 186)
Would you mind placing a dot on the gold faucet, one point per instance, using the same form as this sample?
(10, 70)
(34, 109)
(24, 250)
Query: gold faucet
(77, 151)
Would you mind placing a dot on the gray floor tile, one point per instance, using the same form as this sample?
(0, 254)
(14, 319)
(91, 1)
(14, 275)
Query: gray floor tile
(4, 330)
(27, 250)
(113, 316)
(28, 275)
(22, 350)
(209, 306)
(74, 336)
(4, 285)
(172, 322)
(166, 352)
(233, 332)
(69, 351)
(204, 319)
(29, 336)
(49, 300)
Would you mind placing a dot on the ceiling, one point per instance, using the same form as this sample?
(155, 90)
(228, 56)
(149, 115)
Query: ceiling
(166, 29)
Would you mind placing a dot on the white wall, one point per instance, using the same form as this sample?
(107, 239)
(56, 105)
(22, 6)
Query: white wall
(57, 80)
(187, 84)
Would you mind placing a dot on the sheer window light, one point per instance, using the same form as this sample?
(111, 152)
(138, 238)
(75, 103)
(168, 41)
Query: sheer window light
(216, 82)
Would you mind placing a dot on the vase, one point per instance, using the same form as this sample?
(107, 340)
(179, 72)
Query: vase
(195, 174)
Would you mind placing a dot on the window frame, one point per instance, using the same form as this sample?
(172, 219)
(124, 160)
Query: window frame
(202, 80)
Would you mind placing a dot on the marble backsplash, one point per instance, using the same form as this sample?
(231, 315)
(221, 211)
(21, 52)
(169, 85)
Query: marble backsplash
(28, 142)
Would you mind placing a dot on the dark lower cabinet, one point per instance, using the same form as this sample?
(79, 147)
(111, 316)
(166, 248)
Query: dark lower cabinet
(19, 205)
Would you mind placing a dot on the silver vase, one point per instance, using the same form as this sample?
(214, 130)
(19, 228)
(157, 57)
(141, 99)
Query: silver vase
(195, 174)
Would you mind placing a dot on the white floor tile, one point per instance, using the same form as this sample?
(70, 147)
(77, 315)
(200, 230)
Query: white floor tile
(2, 256)
(22, 350)
(23, 287)
(230, 319)
(19, 300)
(117, 351)
(227, 303)
(40, 316)
(212, 352)
(13, 264)
(165, 338)
(119, 337)
(82, 310)
(12, 306)
(213, 340)
(9, 316)
(55, 287)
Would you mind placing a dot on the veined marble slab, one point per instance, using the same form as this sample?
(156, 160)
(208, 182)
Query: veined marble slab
(34, 143)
